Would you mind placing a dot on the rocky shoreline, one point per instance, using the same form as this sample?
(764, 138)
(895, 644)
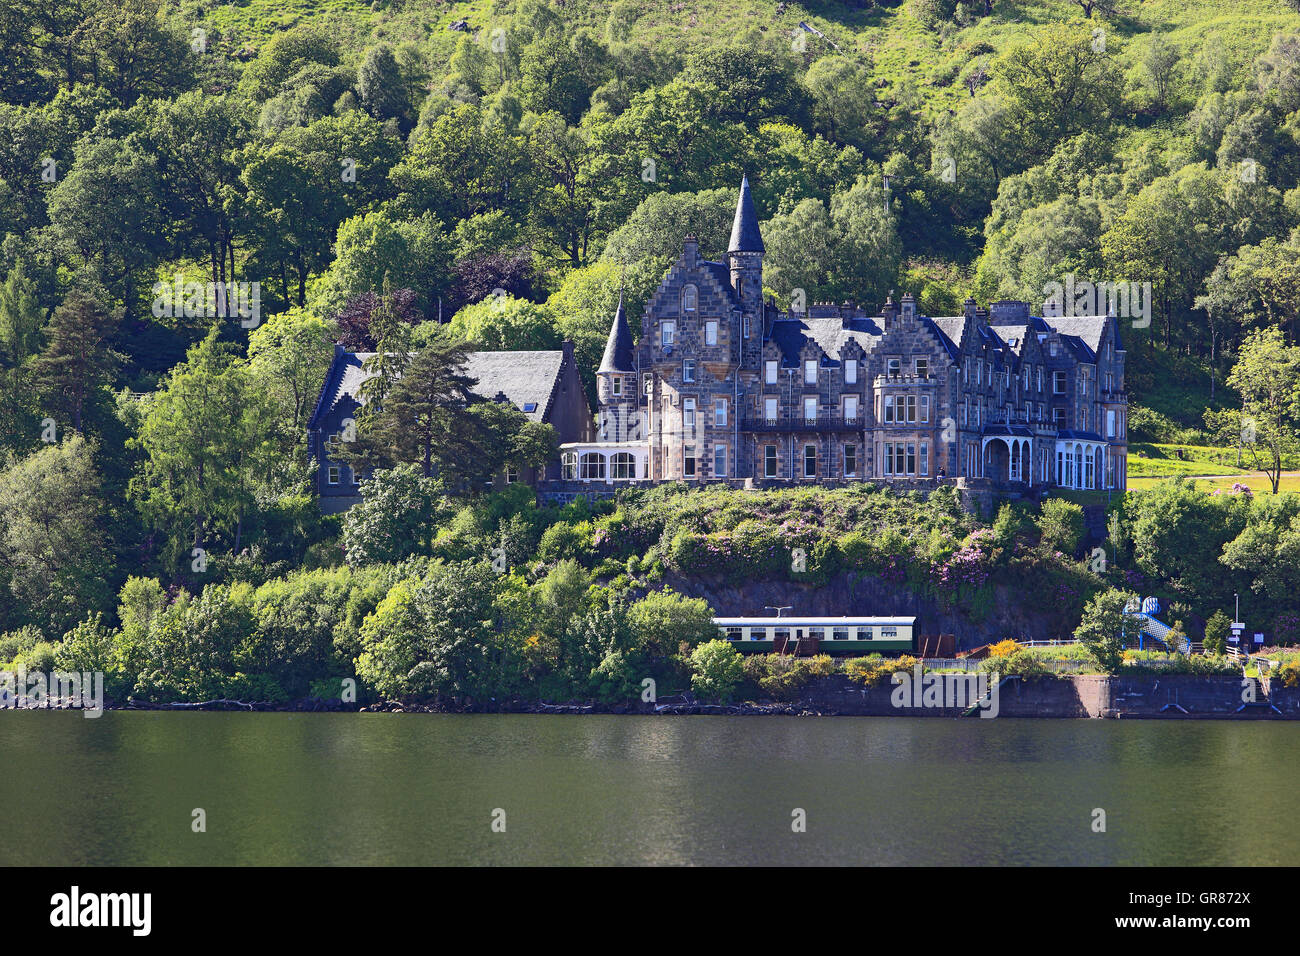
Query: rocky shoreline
(1160, 697)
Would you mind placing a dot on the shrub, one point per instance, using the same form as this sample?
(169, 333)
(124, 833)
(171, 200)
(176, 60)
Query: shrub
(563, 540)
(1020, 663)
(1004, 648)
(1217, 629)
(716, 670)
(874, 669)
(664, 620)
(13, 644)
(1060, 525)
(1102, 628)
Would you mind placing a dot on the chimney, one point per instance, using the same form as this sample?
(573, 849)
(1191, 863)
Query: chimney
(567, 348)
(691, 249)
(909, 308)
(968, 308)
(889, 311)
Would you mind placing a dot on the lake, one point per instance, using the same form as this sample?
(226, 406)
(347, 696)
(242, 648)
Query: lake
(373, 789)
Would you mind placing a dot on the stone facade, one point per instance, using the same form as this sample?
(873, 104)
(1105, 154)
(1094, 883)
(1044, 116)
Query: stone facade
(722, 385)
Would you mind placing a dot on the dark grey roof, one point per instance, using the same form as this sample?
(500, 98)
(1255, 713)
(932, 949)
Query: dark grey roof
(618, 349)
(1076, 435)
(745, 236)
(949, 329)
(830, 334)
(525, 378)
(1006, 431)
(721, 273)
(1088, 328)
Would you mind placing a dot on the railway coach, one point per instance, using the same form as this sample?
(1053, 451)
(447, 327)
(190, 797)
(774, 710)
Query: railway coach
(819, 635)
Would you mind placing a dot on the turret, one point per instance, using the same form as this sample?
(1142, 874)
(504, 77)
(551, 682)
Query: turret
(745, 256)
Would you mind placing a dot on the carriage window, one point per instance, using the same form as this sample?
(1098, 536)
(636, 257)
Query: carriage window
(758, 634)
(781, 633)
(818, 633)
(888, 632)
(864, 634)
(839, 634)
(733, 633)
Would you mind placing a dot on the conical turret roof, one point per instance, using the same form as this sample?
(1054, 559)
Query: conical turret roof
(745, 236)
(618, 348)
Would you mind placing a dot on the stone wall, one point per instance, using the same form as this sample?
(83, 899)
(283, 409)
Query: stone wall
(1166, 697)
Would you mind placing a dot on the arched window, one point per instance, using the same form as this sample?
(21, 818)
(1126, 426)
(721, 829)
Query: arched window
(569, 465)
(690, 298)
(622, 466)
(593, 467)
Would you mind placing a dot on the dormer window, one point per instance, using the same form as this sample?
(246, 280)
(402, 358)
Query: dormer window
(922, 368)
(690, 298)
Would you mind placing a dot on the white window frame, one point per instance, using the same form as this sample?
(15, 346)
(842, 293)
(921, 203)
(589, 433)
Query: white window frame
(770, 371)
(850, 371)
(720, 412)
(810, 372)
(711, 332)
(667, 333)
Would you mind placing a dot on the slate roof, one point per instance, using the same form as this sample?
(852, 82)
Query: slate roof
(721, 273)
(830, 334)
(526, 378)
(1077, 435)
(745, 236)
(950, 329)
(1089, 329)
(618, 349)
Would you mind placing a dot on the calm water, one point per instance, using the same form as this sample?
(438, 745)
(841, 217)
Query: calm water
(411, 789)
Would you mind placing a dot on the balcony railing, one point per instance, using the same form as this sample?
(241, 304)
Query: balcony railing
(803, 425)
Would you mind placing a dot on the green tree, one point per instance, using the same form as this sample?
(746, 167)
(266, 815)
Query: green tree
(1102, 629)
(1217, 629)
(399, 515)
(1267, 426)
(1060, 525)
(504, 323)
(662, 621)
(206, 442)
(76, 363)
(52, 535)
(717, 669)
(434, 636)
(380, 84)
(20, 317)
(288, 357)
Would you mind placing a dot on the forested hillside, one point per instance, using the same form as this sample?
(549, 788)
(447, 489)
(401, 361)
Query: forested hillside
(360, 172)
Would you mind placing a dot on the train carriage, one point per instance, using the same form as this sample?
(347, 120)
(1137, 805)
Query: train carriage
(819, 635)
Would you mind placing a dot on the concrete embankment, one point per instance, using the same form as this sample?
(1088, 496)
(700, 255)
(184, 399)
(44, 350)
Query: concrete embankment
(1173, 696)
